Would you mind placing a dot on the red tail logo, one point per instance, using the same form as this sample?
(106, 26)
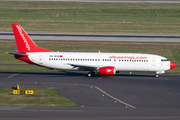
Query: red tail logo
(23, 37)
(24, 42)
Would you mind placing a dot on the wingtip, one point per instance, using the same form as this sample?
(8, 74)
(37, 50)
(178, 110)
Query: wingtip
(7, 52)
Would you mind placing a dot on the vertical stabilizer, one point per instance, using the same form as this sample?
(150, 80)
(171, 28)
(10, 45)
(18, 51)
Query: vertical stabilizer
(24, 42)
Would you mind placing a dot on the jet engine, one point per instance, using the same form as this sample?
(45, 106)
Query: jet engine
(109, 70)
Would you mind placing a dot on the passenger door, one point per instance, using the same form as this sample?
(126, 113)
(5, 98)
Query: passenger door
(40, 59)
(153, 61)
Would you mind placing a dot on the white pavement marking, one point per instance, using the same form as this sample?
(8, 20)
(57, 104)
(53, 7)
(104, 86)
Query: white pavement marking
(108, 95)
(114, 97)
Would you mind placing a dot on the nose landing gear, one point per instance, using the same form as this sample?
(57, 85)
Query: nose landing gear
(159, 72)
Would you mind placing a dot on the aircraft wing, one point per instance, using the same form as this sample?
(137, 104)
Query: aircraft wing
(86, 67)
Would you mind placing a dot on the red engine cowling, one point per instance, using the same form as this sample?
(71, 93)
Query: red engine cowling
(109, 70)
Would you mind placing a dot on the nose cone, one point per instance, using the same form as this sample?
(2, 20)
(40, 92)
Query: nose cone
(172, 65)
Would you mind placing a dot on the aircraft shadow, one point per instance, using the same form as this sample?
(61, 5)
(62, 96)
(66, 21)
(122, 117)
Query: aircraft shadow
(80, 74)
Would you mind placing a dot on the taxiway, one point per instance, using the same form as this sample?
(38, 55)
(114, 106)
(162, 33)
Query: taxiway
(123, 96)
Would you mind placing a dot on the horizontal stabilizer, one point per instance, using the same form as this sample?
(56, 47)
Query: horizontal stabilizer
(17, 54)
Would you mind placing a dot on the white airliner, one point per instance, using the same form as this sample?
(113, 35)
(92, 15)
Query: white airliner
(96, 63)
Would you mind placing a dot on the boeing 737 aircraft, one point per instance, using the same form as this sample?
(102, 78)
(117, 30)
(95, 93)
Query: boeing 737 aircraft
(96, 63)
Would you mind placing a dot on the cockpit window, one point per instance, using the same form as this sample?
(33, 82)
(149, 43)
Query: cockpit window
(164, 60)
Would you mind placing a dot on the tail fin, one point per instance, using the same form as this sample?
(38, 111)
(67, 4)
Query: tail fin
(24, 42)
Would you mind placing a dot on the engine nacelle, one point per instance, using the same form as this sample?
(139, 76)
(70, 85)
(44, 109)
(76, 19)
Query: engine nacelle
(109, 70)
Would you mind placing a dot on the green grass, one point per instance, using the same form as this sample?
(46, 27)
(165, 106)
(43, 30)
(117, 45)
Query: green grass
(174, 70)
(23, 68)
(168, 50)
(41, 97)
(92, 17)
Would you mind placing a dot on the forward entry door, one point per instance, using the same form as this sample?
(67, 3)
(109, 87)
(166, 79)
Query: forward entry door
(153, 61)
(40, 59)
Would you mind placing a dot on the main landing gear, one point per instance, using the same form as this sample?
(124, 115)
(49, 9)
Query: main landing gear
(157, 75)
(91, 74)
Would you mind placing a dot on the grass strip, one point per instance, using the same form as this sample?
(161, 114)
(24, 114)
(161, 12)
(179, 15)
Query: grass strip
(42, 97)
(91, 17)
(23, 68)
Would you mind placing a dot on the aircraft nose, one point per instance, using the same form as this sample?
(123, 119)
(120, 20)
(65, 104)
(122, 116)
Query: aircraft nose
(172, 65)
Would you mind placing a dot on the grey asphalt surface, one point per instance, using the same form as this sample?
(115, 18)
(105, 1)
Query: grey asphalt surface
(123, 96)
(96, 37)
